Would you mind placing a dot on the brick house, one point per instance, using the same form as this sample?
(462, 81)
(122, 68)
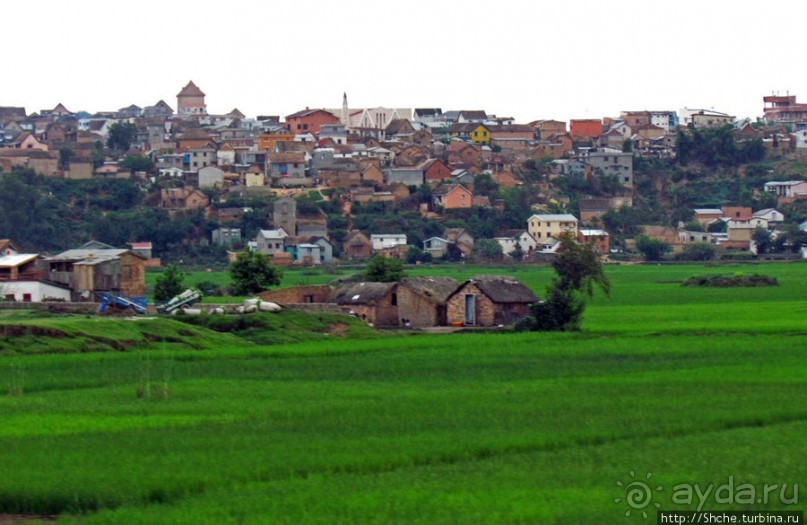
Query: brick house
(452, 196)
(461, 238)
(187, 198)
(422, 300)
(513, 136)
(547, 128)
(374, 303)
(598, 238)
(357, 246)
(489, 301)
(435, 171)
(309, 120)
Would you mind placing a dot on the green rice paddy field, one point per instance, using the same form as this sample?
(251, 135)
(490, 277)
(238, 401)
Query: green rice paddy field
(185, 425)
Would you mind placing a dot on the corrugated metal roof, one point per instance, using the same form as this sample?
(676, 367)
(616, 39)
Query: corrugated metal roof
(12, 261)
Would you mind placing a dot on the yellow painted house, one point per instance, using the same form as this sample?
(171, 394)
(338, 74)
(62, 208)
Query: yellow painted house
(470, 131)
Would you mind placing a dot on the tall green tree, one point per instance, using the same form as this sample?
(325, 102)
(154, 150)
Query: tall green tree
(252, 273)
(121, 135)
(578, 270)
(169, 283)
(651, 249)
(384, 270)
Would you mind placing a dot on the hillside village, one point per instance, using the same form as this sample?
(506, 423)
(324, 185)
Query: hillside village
(91, 200)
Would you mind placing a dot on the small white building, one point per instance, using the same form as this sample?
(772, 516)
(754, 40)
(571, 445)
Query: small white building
(770, 215)
(309, 253)
(20, 280)
(383, 241)
(521, 237)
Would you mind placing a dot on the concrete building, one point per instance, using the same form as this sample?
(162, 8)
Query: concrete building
(543, 227)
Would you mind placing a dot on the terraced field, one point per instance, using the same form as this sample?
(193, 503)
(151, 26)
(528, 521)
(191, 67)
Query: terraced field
(187, 425)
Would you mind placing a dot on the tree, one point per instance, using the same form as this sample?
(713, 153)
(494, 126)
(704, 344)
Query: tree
(137, 163)
(485, 185)
(518, 252)
(169, 283)
(453, 253)
(252, 273)
(578, 270)
(578, 267)
(762, 238)
(413, 254)
(384, 270)
(651, 249)
(627, 146)
(121, 135)
(488, 249)
(561, 311)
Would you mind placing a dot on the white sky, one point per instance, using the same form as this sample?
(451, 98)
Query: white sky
(527, 59)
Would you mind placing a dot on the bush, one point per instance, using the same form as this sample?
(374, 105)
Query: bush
(562, 311)
(729, 281)
(698, 251)
(169, 283)
(651, 249)
(252, 273)
(384, 270)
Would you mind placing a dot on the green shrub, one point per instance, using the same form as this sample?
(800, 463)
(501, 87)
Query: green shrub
(729, 281)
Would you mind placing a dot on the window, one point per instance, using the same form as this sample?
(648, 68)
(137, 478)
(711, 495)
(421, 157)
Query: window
(305, 126)
(394, 299)
(26, 298)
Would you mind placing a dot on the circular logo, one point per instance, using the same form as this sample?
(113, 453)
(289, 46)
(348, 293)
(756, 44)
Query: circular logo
(638, 495)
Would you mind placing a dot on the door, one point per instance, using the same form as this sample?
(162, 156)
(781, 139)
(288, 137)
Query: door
(470, 309)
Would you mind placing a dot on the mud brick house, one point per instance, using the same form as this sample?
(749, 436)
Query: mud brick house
(422, 300)
(489, 301)
(374, 303)
(357, 246)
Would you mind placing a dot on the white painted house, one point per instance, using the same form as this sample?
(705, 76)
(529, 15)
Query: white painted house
(383, 241)
(511, 238)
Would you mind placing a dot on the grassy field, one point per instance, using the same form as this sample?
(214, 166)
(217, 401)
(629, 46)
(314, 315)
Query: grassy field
(690, 385)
